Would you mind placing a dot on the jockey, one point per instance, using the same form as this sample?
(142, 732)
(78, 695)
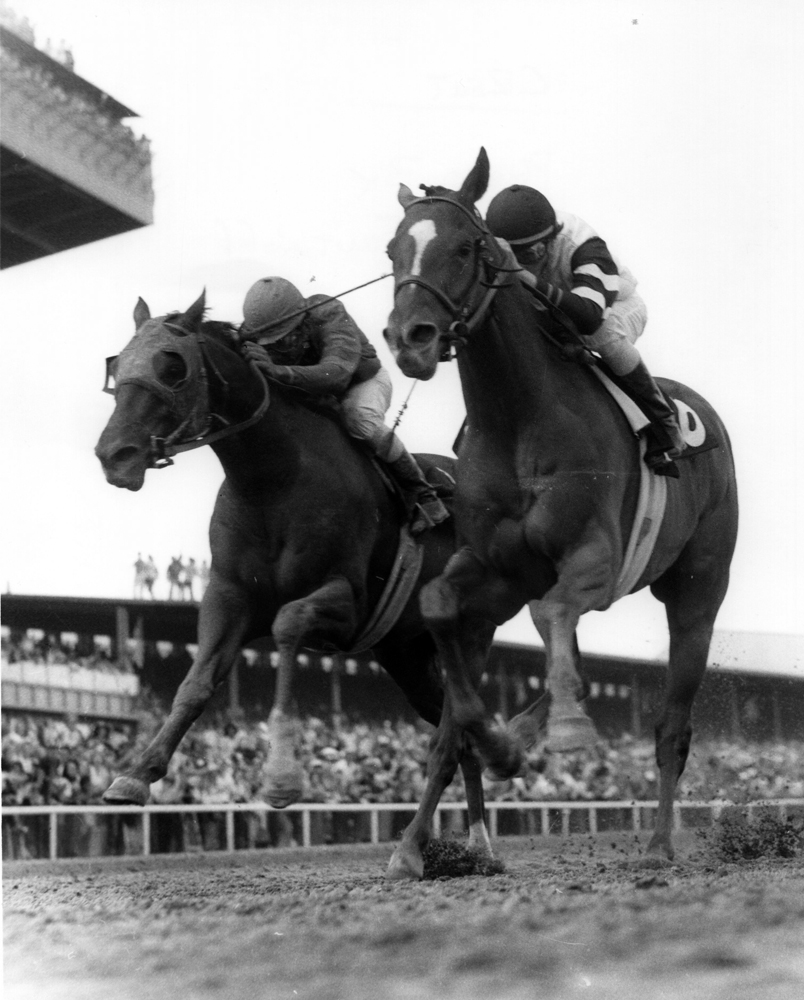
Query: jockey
(564, 259)
(327, 354)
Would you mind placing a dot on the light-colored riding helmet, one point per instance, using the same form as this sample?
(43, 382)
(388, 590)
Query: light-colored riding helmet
(266, 305)
(521, 215)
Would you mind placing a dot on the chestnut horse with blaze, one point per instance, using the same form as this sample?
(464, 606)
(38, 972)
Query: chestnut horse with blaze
(304, 535)
(547, 486)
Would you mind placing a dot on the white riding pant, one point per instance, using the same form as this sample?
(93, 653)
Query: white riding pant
(364, 407)
(615, 339)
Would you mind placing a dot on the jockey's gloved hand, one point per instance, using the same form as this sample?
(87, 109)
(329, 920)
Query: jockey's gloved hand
(551, 292)
(260, 357)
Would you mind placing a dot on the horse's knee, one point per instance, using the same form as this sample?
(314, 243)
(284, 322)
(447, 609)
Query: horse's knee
(439, 604)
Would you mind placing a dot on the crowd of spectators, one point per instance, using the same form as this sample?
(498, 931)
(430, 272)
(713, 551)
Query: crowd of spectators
(70, 761)
(62, 649)
(186, 581)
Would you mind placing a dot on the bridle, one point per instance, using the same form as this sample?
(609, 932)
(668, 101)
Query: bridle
(134, 366)
(466, 315)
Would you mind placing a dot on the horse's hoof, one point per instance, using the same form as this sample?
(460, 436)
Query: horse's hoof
(568, 733)
(405, 866)
(284, 798)
(125, 791)
(283, 783)
(660, 848)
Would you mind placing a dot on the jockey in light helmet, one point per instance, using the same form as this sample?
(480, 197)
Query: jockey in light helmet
(564, 258)
(315, 345)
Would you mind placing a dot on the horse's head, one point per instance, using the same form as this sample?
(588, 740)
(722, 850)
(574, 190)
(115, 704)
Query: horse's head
(160, 392)
(440, 252)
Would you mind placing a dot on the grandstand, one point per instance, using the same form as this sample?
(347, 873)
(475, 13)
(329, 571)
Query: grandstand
(754, 688)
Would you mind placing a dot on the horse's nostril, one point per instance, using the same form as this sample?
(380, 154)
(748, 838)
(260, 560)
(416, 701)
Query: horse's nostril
(122, 455)
(422, 333)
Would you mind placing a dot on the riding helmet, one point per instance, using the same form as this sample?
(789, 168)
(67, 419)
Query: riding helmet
(521, 214)
(272, 308)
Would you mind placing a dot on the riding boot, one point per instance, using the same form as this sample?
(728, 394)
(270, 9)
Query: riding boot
(665, 439)
(420, 498)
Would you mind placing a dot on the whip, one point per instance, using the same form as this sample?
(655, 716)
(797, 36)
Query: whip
(306, 309)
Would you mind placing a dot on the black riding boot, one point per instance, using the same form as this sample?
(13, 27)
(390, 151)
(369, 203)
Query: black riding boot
(665, 439)
(420, 497)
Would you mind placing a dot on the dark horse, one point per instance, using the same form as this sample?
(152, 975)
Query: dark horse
(303, 536)
(547, 485)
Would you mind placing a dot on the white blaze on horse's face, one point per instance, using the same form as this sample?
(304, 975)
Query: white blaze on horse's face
(423, 233)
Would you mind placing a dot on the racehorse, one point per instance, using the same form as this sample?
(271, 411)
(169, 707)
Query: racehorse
(547, 484)
(304, 535)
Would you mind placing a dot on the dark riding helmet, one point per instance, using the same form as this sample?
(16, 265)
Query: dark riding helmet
(521, 215)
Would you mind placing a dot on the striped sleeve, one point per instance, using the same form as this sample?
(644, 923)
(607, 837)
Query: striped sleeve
(595, 277)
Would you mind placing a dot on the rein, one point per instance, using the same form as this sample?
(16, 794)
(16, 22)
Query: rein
(163, 448)
(465, 318)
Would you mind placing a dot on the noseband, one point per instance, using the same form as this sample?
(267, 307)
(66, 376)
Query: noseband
(465, 316)
(134, 366)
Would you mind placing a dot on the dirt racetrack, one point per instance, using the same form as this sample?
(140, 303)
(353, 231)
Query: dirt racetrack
(571, 918)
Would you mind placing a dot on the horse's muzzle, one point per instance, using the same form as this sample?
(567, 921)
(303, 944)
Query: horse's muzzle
(416, 349)
(123, 466)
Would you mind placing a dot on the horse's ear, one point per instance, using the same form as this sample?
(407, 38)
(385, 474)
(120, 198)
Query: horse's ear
(405, 197)
(191, 320)
(474, 187)
(141, 313)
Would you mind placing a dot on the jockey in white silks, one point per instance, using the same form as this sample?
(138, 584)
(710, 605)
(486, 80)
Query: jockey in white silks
(565, 259)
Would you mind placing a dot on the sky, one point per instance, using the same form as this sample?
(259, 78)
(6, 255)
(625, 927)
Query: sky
(280, 133)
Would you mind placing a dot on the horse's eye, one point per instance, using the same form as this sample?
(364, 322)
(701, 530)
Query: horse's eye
(465, 250)
(170, 368)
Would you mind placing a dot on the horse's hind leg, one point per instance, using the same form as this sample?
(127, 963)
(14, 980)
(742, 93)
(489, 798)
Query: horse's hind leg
(692, 595)
(222, 626)
(472, 768)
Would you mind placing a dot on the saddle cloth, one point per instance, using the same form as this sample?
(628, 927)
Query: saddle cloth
(652, 488)
(407, 565)
(650, 503)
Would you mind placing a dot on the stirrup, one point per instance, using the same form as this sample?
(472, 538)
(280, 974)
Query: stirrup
(426, 515)
(662, 464)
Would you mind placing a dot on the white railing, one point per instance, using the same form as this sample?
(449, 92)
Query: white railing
(554, 817)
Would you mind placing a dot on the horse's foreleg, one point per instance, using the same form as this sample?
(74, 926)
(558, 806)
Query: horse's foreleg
(407, 861)
(223, 623)
(451, 604)
(569, 727)
(328, 614)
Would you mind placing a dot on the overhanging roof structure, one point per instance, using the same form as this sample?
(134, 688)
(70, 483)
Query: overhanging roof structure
(71, 171)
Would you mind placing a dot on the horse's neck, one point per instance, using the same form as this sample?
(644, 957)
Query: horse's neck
(269, 450)
(510, 374)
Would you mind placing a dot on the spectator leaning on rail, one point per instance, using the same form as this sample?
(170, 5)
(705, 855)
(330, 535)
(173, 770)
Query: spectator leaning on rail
(566, 260)
(316, 346)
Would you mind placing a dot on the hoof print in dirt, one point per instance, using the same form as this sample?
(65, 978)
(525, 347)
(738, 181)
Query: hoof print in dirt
(453, 859)
(650, 861)
(651, 882)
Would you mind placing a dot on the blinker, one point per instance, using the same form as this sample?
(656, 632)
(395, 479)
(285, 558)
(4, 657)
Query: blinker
(111, 374)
